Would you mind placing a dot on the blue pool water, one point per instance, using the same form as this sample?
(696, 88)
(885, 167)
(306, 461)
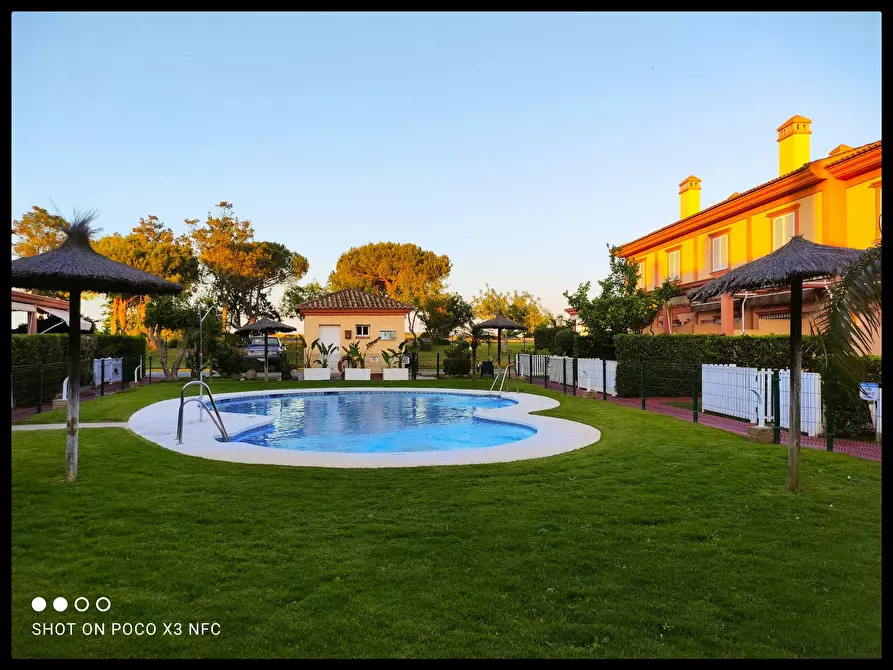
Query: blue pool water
(378, 422)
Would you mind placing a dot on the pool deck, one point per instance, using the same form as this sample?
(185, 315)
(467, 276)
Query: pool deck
(158, 423)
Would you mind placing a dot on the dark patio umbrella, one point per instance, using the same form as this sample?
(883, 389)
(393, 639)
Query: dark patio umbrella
(499, 322)
(75, 267)
(790, 265)
(266, 326)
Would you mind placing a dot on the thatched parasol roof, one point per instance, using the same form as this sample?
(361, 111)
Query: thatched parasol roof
(798, 259)
(75, 266)
(501, 321)
(266, 325)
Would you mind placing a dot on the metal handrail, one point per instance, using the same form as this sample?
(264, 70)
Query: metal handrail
(137, 371)
(504, 374)
(217, 422)
(588, 381)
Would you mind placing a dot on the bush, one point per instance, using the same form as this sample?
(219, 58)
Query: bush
(543, 337)
(672, 360)
(563, 342)
(457, 359)
(228, 360)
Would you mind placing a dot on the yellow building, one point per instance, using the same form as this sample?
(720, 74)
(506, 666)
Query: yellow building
(351, 315)
(834, 200)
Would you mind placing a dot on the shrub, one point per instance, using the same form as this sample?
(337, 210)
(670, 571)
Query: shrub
(457, 359)
(563, 342)
(228, 360)
(543, 337)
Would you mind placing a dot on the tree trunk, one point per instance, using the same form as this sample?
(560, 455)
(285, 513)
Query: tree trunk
(796, 344)
(74, 384)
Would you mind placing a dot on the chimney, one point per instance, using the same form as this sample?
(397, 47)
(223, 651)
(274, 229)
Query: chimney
(793, 144)
(689, 196)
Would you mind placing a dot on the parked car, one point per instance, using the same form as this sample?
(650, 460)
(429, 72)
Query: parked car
(254, 348)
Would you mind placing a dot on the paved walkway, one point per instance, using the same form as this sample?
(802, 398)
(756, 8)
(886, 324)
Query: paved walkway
(870, 450)
(61, 426)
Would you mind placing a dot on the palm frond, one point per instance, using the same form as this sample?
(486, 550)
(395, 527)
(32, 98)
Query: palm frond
(851, 319)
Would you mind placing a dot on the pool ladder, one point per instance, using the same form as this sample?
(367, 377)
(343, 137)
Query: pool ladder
(185, 401)
(503, 374)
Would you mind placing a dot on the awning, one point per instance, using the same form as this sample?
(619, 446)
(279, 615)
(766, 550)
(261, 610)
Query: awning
(62, 314)
(22, 307)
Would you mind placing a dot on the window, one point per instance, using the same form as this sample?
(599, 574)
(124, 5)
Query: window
(641, 282)
(387, 334)
(720, 253)
(363, 330)
(782, 230)
(673, 265)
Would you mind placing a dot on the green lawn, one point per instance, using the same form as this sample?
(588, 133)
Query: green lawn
(664, 539)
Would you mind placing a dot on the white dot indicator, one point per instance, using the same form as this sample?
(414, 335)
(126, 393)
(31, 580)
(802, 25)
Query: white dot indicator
(78, 602)
(38, 604)
(60, 604)
(108, 604)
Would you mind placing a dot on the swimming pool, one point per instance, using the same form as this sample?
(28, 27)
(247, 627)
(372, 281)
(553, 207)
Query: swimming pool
(376, 422)
(367, 427)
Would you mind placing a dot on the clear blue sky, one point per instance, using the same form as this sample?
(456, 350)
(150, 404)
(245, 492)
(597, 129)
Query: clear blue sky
(518, 144)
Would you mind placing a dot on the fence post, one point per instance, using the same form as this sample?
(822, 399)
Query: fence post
(39, 388)
(545, 372)
(642, 381)
(150, 369)
(101, 378)
(438, 366)
(604, 377)
(564, 375)
(530, 369)
(829, 418)
(576, 372)
(776, 409)
(124, 377)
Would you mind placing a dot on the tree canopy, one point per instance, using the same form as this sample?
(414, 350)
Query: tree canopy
(403, 272)
(296, 293)
(35, 233)
(622, 306)
(240, 269)
(520, 306)
(443, 313)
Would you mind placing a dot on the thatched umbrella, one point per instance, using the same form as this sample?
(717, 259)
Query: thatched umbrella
(266, 326)
(790, 265)
(499, 322)
(75, 267)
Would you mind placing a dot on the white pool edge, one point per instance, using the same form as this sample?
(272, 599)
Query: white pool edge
(158, 423)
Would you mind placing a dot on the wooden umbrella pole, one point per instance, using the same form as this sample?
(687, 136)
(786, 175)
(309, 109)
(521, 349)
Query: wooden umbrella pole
(74, 384)
(499, 347)
(266, 363)
(796, 358)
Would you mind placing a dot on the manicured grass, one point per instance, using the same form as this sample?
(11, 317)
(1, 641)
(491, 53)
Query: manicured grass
(664, 539)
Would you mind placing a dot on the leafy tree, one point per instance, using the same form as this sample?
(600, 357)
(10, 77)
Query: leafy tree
(563, 342)
(851, 319)
(170, 320)
(442, 314)
(295, 294)
(240, 269)
(35, 233)
(151, 247)
(520, 306)
(403, 272)
(622, 306)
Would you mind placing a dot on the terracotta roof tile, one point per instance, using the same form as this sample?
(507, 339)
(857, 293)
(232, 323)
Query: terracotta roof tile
(855, 152)
(354, 299)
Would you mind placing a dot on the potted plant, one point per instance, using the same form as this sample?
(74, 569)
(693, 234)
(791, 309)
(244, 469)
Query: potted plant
(356, 361)
(321, 373)
(394, 370)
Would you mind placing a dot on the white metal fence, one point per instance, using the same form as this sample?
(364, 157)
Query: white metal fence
(747, 392)
(590, 374)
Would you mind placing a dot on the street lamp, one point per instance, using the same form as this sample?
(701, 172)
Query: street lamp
(201, 360)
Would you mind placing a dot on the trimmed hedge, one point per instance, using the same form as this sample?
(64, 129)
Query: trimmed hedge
(50, 348)
(563, 342)
(671, 361)
(544, 337)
